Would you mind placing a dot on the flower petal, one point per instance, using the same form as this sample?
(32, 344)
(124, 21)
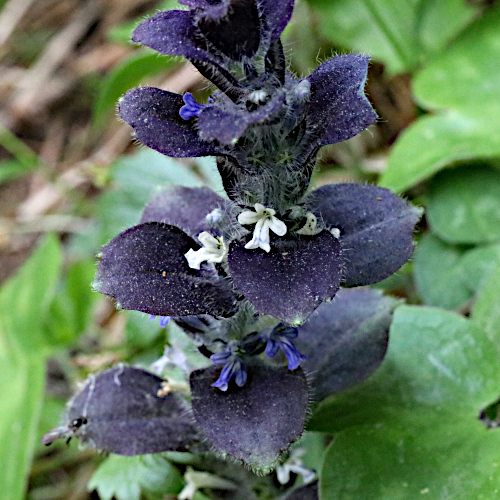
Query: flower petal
(345, 340)
(154, 115)
(256, 422)
(122, 410)
(338, 108)
(376, 228)
(183, 207)
(292, 279)
(144, 269)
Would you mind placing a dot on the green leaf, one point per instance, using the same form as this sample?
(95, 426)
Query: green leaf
(486, 312)
(126, 75)
(25, 298)
(136, 179)
(438, 274)
(420, 456)
(465, 76)
(462, 84)
(464, 205)
(382, 28)
(399, 33)
(478, 264)
(413, 429)
(437, 361)
(439, 22)
(24, 303)
(435, 141)
(124, 478)
(22, 378)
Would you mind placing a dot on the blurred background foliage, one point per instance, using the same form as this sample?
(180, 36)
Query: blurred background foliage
(71, 178)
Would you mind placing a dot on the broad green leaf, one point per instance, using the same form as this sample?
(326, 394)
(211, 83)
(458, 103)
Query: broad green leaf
(124, 478)
(136, 178)
(478, 264)
(462, 85)
(400, 34)
(126, 75)
(464, 205)
(465, 76)
(450, 457)
(385, 29)
(24, 303)
(22, 378)
(435, 141)
(437, 362)
(438, 274)
(486, 312)
(412, 429)
(26, 297)
(439, 22)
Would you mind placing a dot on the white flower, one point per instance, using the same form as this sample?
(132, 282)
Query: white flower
(294, 464)
(196, 480)
(310, 228)
(213, 250)
(264, 220)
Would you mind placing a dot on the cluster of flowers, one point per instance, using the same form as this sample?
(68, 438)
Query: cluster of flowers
(243, 274)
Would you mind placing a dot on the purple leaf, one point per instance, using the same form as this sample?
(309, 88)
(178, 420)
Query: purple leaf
(345, 340)
(174, 33)
(126, 410)
(292, 279)
(144, 269)
(376, 228)
(338, 108)
(154, 115)
(185, 208)
(256, 422)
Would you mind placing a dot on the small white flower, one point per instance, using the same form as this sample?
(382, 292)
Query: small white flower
(214, 217)
(264, 220)
(196, 480)
(294, 464)
(257, 96)
(335, 231)
(303, 89)
(214, 250)
(310, 228)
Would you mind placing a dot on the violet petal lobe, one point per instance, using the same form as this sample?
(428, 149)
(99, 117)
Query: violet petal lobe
(338, 108)
(154, 115)
(292, 279)
(183, 207)
(345, 340)
(256, 422)
(376, 228)
(125, 410)
(144, 268)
